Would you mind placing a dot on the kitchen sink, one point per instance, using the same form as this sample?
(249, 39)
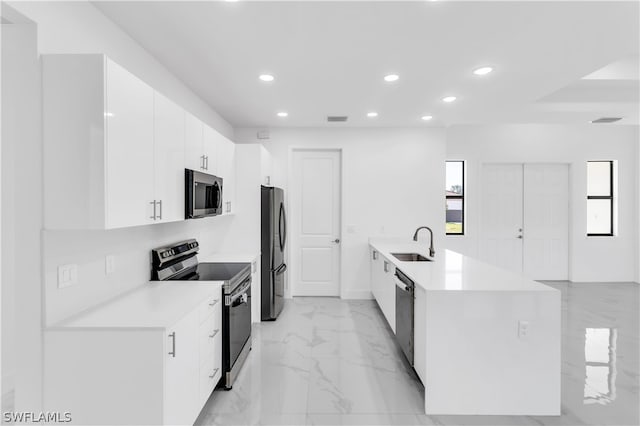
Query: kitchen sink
(410, 257)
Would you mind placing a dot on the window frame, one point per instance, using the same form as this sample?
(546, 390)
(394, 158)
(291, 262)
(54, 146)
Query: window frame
(458, 197)
(603, 197)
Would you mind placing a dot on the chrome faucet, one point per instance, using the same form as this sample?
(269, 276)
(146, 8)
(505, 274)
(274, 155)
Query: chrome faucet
(432, 252)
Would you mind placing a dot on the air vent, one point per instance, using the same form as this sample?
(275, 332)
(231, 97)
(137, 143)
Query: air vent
(336, 118)
(607, 120)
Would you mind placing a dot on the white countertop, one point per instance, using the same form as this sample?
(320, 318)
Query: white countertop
(152, 305)
(451, 271)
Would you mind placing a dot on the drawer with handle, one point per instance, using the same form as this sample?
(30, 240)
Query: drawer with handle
(208, 307)
(210, 340)
(210, 374)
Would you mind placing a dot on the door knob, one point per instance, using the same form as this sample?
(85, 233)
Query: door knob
(337, 241)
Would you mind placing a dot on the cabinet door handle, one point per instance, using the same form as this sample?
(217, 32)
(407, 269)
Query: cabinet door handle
(160, 204)
(154, 209)
(214, 373)
(214, 332)
(228, 206)
(386, 266)
(202, 162)
(206, 158)
(173, 344)
(375, 255)
(213, 303)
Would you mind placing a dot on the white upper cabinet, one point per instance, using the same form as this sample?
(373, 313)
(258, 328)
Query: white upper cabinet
(266, 167)
(210, 148)
(129, 148)
(227, 169)
(169, 152)
(115, 150)
(194, 155)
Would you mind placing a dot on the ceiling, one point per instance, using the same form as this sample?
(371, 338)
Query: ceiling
(329, 58)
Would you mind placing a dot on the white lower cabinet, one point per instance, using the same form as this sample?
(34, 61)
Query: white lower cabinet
(135, 375)
(383, 286)
(420, 332)
(181, 394)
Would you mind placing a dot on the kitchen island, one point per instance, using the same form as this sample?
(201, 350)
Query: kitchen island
(486, 340)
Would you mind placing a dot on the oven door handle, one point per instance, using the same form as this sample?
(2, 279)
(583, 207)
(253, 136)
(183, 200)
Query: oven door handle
(241, 292)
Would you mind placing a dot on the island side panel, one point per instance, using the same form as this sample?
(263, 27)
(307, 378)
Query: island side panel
(476, 360)
(105, 376)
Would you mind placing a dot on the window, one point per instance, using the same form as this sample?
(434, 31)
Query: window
(600, 198)
(454, 190)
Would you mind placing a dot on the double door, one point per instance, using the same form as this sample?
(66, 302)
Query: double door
(524, 219)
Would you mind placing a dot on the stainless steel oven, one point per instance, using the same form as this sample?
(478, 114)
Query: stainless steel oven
(202, 194)
(178, 262)
(236, 326)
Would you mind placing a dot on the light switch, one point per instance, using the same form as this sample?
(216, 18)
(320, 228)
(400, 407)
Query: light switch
(67, 275)
(523, 329)
(109, 264)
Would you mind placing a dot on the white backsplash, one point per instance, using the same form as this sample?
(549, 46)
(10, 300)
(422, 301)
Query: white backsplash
(131, 251)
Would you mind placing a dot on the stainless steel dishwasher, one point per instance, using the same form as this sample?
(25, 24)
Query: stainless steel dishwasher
(405, 295)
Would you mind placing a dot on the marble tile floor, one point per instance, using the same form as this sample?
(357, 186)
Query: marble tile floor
(327, 361)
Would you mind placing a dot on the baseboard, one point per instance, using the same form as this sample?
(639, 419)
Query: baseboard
(357, 294)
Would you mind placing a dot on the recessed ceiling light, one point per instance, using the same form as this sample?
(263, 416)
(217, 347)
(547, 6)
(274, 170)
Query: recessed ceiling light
(283, 114)
(449, 99)
(266, 77)
(426, 117)
(391, 77)
(483, 71)
(372, 114)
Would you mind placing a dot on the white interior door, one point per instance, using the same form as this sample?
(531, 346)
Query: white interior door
(501, 221)
(524, 220)
(546, 221)
(315, 219)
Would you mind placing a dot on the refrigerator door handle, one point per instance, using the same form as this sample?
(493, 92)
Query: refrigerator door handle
(282, 227)
(282, 268)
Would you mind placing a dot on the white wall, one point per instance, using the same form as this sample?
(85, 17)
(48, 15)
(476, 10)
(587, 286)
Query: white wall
(638, 206)
(392, 183)
(21, 215)
(590, 259)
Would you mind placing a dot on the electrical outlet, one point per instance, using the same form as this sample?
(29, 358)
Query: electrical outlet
(67, 275)
(523, 329)
(109, 264)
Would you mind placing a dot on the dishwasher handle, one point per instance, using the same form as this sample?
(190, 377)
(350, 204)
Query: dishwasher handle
(403, 282)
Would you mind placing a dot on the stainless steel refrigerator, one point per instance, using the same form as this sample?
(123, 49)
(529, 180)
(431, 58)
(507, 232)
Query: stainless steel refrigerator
(273, 242)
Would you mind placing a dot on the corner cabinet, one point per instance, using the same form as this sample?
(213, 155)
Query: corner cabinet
(136, 375)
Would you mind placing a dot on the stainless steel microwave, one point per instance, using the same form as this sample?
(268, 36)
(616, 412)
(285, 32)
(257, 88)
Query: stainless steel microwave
(202, 195)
